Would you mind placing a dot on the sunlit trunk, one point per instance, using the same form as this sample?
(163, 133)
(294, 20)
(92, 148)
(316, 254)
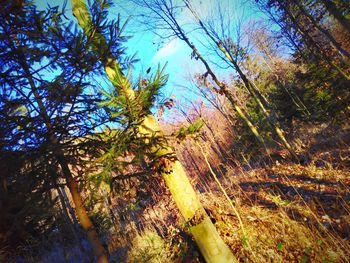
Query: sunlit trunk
(82, 214)
(200, 226)
(225, 91)
(262, 103)
(204, 232)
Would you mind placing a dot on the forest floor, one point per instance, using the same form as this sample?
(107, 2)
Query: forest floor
(290, 212)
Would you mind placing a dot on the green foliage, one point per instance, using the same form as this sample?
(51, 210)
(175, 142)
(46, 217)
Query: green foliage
(123, 153)
(101, 220)
(46, 107)
(177, 247)
(280, 246)
(127, 107)
(325, 92)
(123, 146)
(306, 256)
(192, 130)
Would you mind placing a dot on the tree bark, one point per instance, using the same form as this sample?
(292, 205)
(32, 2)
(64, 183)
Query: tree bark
(204, 232)
(335, 12)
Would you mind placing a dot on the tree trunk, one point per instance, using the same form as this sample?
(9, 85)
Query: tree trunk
(335, 12)
(225, 91)
(72, 184)
(204, 232)
(67, 218)
(69, 206)
(82, 214)
(325, 32)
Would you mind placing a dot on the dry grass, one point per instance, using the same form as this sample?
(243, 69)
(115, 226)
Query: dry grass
(281, 224)
(290, 212)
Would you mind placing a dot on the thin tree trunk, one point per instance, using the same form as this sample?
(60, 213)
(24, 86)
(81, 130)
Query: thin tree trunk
(86, 223)
(225, 91)
(84, 219)
(204, 232)
(325, 32)
(309, 40)
(255, 93)
(69, 207)
(335, 12)
(181, 34)
(65, 211)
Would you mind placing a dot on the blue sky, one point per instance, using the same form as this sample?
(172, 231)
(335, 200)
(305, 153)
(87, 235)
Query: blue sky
(174, 52)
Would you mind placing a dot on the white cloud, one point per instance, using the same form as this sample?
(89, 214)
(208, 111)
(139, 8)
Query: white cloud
(167, 51)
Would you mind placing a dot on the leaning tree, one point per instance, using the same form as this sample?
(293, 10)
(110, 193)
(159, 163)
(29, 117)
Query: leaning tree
(134, 103)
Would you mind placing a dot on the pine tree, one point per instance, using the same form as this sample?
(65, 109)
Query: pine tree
(45, 70)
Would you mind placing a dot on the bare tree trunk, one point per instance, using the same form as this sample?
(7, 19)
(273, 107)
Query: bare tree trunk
(69, 207)
(66, 211)
(258, 97)
(80, 209)
(204, 232)
(325, 32)
(225, 91)
(335, 12)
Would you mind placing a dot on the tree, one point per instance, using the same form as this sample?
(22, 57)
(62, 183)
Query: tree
(210, 243)
(326, 77)
(164, 18)
(325, 32)
(232, 52)
(303, 34)
(44, 74)
(271, 68)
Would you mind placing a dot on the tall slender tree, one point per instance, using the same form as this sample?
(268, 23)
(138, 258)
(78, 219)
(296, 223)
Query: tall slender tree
(209, 242)
(165, 14)
(231, 53)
